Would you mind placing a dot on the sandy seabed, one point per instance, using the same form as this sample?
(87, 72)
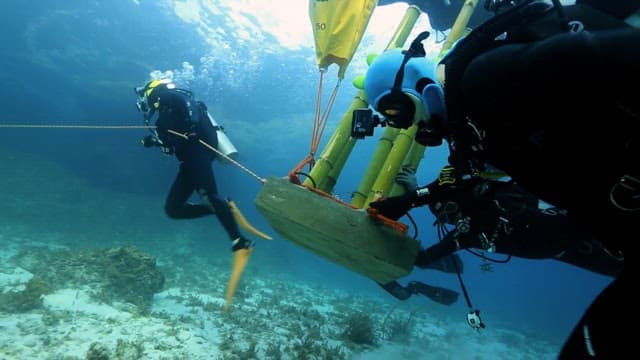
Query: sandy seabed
(272, 317)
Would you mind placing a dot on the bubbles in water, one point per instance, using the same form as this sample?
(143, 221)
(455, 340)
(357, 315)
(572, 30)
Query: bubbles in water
(181, 77)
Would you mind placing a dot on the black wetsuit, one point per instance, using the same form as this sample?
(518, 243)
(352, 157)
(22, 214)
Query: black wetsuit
(503, 218)
(559, 115)
(179, 112)
(559, 112)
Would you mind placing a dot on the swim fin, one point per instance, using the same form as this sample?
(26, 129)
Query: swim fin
(240, 260)
(438, 294)
(242, 221)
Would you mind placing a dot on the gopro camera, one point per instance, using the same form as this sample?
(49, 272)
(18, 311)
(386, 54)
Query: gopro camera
(474, 320)
(363, 122)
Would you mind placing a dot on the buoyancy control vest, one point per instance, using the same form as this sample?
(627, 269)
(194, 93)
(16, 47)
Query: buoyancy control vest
(178, 111)
(525, 23)
(578, 177)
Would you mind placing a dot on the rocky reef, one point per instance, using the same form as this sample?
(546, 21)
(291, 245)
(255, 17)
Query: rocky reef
(121, 274)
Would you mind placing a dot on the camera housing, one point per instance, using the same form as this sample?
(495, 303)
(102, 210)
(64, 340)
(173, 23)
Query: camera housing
(362, 123)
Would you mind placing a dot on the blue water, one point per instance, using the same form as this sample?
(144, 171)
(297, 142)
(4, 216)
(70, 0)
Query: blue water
(70, 62)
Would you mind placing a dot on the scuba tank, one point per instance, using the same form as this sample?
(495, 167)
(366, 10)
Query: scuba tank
(225, 145)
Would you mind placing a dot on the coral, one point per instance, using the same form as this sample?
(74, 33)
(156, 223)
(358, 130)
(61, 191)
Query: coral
(118, 274)
(309, 347)
(128, 350)
(28, 299)
(359, 329)
(397, 328)
(132, 275)
(304, 348)
(97, 351)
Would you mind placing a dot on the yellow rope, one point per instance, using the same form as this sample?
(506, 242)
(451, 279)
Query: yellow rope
(262, 180)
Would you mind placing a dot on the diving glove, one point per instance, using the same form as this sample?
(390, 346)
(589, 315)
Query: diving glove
(149, 141)
(407, 179)
(394, 207)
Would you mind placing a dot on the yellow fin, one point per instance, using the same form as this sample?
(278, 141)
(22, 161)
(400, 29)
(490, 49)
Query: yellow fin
(242, 221)
(240, 260)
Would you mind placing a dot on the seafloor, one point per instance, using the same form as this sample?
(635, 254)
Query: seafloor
(90, 274)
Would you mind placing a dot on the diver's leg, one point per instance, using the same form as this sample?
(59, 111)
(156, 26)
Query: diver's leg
(438, 294)
(441, 256)
(205, 182)
(396, 290)
(545, 235)
(592, 256)
(550, 234)
(176, 205)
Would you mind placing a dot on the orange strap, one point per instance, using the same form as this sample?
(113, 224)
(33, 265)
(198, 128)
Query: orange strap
(293, 174)
(397, 226)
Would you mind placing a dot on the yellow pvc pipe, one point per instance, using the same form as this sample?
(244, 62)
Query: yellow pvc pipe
(391, 165)
(332, 177)
(415, 155)
(459, 26)
(412, 160)
(397, 156)
(385, 144)
(359, 198)
(404, 28)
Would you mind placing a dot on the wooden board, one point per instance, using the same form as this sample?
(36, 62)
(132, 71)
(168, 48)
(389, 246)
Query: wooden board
(339, 233)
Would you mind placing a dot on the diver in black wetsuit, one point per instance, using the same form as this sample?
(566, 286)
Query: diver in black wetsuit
(182, 122)
(547, 94)
(497, 216)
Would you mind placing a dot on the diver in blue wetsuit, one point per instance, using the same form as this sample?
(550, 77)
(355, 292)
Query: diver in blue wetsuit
(181, 123)
(547, 94)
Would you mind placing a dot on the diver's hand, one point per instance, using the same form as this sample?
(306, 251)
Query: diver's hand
(192, 136)
(149, 141)
(407, 179)
(394, 207)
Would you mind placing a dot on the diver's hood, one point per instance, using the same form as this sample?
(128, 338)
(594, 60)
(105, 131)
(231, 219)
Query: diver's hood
(382, 72)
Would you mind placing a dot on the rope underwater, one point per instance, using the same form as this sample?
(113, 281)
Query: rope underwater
(184, 136)
(241, 256)
(45, 126)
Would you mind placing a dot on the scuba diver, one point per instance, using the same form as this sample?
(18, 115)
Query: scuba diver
(546, 94)
(496, 216)
(182, 121)
(185, 128)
